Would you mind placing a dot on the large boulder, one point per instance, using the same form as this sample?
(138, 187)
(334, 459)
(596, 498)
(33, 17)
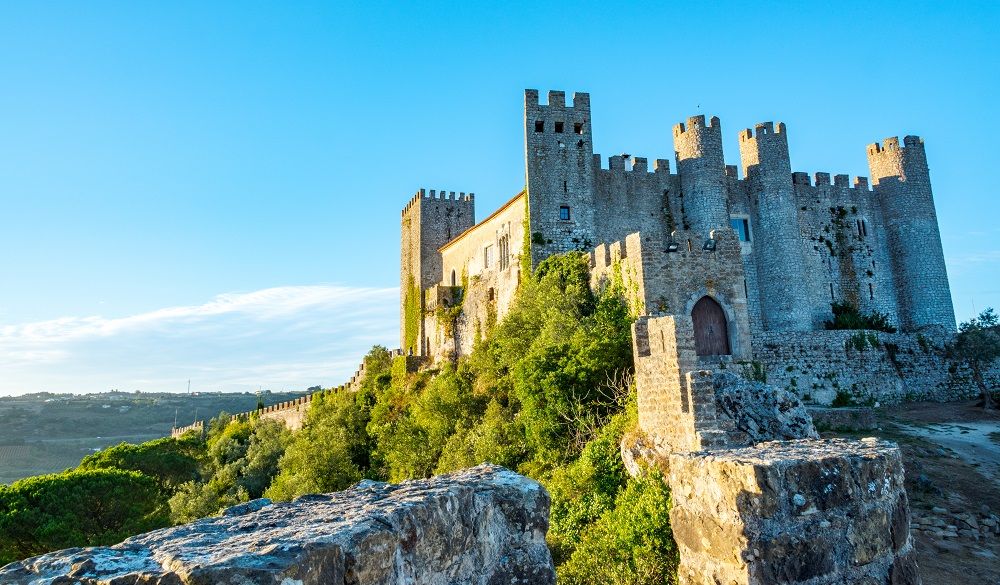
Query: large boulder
(760, 411)
(484, 525)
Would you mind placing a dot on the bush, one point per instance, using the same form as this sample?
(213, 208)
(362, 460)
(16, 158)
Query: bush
(847, 316)
(631, 544)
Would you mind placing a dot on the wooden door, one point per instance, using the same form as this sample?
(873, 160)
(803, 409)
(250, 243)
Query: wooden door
(711, 336)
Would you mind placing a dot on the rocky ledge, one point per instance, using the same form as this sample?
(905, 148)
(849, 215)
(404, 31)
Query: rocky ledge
(484, 525)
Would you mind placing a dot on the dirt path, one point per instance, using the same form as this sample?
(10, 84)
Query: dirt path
(975, 442)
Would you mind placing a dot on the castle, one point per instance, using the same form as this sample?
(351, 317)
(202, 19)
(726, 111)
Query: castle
(765, 250)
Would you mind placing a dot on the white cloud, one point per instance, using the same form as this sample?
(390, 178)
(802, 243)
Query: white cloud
(279, 338)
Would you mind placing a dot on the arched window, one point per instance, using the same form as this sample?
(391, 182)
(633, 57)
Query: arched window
(711, 334)
(453, 281)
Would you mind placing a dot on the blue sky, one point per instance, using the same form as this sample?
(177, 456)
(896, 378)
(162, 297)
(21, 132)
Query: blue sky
(212, 190)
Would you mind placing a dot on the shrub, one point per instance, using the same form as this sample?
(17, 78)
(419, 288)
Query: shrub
(847, 316)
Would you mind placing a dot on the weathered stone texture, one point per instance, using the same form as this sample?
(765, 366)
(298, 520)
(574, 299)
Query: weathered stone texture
(429, 221)
(676, 404)
(781, 274)
(760, 411)
(796, 512)
(660, 282)
(902, 182)
(484, 525)
(817, 365)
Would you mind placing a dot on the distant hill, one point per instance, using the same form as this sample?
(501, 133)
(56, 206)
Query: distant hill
(44, 433)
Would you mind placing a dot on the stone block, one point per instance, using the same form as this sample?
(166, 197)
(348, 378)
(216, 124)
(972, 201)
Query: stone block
(816, 512)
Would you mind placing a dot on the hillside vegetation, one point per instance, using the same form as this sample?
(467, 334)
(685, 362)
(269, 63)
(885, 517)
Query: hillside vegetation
(46, 433)
(546, 392)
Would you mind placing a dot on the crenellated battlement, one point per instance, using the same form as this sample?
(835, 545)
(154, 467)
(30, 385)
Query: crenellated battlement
(762, 129)
(557, 100)
(441, 195)
(298, 406)
(823, 179)
(624, 163)
(697, 123)
(891, 144)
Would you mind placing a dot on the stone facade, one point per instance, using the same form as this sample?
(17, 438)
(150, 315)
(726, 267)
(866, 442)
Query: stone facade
(774, 248)
(784, 246)
(803, 243)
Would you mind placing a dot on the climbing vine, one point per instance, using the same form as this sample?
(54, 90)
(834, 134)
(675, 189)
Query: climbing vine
(411, 315)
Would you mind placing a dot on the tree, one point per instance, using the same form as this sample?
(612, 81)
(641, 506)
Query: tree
(76, 508)
(978, 345)
(169, 461)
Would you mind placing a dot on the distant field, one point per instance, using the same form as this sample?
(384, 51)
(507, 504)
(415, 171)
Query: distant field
(17, 461)
(47, 433)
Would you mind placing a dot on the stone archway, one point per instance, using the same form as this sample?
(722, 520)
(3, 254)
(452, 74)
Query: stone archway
(711, 334)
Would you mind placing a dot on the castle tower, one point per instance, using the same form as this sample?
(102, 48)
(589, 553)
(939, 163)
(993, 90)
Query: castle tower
(430, 220)
(559, 174)
(902, 184)
(702, 169)
(777, 246)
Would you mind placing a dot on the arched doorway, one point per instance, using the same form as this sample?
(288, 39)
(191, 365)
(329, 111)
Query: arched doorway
(711, 335)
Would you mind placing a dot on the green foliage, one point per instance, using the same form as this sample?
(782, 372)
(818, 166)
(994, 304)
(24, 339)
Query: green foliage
(978, 345)
(847, 316)
(412, 309)
(861, 340)
(76, 508)
(630, 544)
(546, 391)
(170, 462)
(843, 399)
(242, 459)
(754, 371)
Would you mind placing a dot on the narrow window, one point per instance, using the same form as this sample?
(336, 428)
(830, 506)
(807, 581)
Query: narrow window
(578, 128)
(453, 281)
(746, 291)
(742, 227)
(864, 227)
(564, 186)
(832, 298)
(564, 213)
(539, 126)
(559, 127)
(689, 245)
(871, 291)
(491, 295)
(487, 256)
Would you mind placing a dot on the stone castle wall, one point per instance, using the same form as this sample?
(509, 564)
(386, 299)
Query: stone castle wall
(656, 281)
(819, 365)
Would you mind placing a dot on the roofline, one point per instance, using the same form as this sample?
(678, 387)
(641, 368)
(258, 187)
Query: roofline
(488, 218)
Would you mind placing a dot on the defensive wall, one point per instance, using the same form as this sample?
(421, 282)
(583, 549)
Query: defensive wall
(868, 367)
(800, 512)
(292, 413)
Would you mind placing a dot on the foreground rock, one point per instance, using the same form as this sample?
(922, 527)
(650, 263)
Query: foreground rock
(804, 512)
(484, 525)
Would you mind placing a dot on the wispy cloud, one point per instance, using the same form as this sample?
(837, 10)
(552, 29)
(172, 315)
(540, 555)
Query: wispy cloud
(279, 338)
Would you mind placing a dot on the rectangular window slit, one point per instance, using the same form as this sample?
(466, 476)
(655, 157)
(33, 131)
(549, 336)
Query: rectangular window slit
(559, 127)
(578, 128)
(539, 126)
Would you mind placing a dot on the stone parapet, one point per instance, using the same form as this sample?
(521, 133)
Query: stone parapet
(796, 512)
